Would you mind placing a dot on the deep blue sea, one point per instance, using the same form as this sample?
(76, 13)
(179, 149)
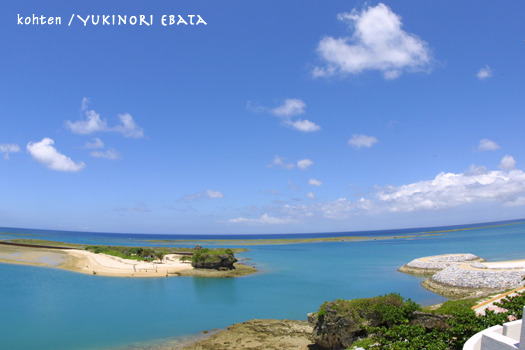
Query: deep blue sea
(47, 308)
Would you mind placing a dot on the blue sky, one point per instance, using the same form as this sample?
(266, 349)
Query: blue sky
(272, 117)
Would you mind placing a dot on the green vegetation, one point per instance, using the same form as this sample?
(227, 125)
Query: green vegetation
(185, 258)
(400, 332)
(386, 309)
(213, 258)
(133, 253)
(206, 254)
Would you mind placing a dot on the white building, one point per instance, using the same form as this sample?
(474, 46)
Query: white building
(509, 336)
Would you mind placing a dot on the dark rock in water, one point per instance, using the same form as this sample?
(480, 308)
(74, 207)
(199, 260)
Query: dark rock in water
(430, 321)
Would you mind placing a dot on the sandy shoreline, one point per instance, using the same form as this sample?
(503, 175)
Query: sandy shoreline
(105, 265)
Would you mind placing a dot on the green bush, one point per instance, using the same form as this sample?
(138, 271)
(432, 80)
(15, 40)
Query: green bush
(451, 306)
(398, 333)
(133, 253)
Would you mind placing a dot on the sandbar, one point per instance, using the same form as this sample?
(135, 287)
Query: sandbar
(86, 262)
(90, 263)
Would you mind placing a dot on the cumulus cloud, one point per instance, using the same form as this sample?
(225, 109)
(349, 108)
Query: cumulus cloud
(45, 153)
(378, 42)
(473, 187)
(304, 164)
(359, 141)
(484, 73)
(507, 163)
(303, 125)
(109, 154)
(6, 149)
(310, 195)
(315, 182)
(92, 122)
(487, 145)
(448, 190)
(290, 108)
(214, 194)
(128, 127)
(265, 219)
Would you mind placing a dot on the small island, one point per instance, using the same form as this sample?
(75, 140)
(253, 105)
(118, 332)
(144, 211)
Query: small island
(125, 261)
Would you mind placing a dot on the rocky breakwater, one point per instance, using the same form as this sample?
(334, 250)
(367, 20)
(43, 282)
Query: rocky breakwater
(465, 275)
(431, 264)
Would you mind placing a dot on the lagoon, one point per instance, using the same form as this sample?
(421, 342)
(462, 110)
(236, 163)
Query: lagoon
(46, 308)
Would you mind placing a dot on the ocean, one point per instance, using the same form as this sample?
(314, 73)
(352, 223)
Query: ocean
(47, 308)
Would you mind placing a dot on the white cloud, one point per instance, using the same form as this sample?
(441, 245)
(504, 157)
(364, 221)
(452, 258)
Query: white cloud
(303, 125)
(290, 108)
(448, 190)
(507, 163)
(315, 182)
(359, 141)
(279, 162)
(484, 73)
(310, 195)
(378, 42)
(265, 219)
(474, 187)
(304, 164)
(109, 154)
(45, 153)
(487, 145)
(8, 148)
(214, 194)
(93, 123)
(128, 127)
(95, 143)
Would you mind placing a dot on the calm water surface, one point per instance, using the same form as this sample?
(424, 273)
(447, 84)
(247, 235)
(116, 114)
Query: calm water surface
(46, 308)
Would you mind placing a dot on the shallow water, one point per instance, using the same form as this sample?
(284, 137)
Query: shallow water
(46, 308)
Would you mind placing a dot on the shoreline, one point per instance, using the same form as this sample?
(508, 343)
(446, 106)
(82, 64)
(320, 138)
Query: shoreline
(82, 261)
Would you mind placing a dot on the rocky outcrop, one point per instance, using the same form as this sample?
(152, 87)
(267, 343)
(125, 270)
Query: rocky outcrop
(260, 335)
(430, 321)
(339, 323)
(221, 260)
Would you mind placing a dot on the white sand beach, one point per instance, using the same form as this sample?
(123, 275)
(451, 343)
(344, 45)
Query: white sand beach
(91, 263)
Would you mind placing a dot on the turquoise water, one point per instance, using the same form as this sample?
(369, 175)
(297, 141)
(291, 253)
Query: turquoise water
(45, 308)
